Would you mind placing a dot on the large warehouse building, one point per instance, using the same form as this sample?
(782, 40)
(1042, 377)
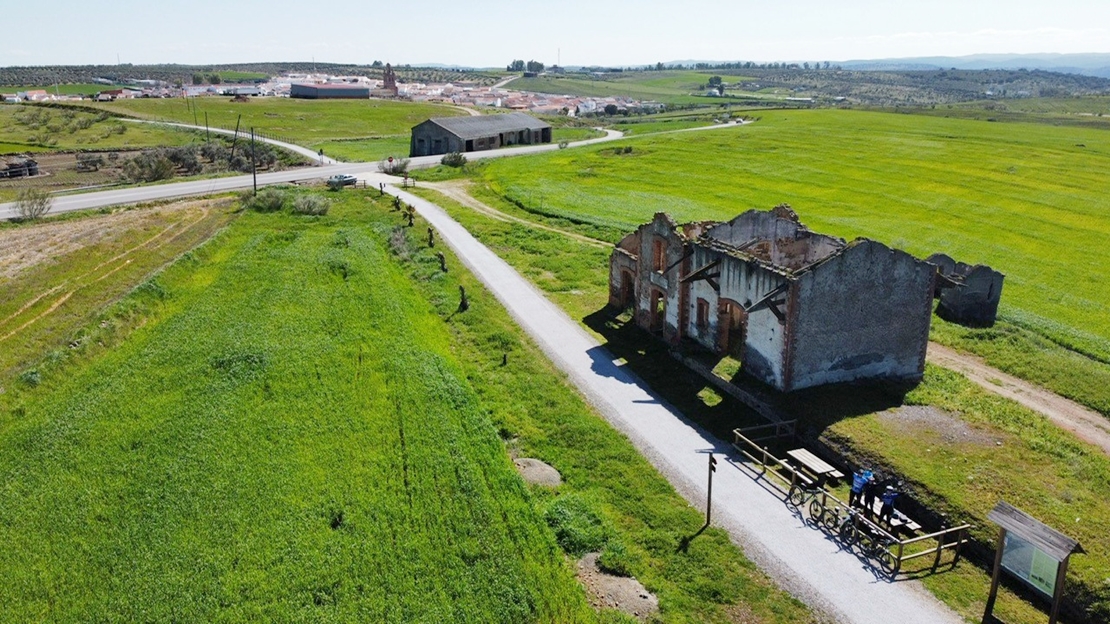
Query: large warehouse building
(471, 134)
(329, 91)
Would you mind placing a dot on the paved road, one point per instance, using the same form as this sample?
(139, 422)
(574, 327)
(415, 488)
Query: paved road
(801, 558)
(365, 171)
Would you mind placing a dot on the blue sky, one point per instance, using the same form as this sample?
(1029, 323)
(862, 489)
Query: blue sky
(575, 32)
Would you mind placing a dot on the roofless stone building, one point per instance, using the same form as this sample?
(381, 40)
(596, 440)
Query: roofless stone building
(797, 308)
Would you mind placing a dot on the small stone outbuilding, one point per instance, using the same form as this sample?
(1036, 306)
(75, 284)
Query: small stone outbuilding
(797, 308)
(476, 133)
(967, 294)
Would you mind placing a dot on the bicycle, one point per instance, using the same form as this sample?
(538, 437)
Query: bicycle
(799, 494)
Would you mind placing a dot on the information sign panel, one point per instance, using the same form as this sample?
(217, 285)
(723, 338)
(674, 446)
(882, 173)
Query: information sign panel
(1030, 564)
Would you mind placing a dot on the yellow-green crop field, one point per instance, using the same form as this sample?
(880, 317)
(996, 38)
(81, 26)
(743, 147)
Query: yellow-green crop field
(1030, 200)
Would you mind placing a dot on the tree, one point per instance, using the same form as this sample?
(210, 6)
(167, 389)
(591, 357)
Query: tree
(516, 66)
(534, 66)
(659, 67)
(214, 79)
(376, 64)
(721, 89)
(805, 66)
(715, 81)
(198, 79)
(32, 203)
(610, 109)
(150, 166)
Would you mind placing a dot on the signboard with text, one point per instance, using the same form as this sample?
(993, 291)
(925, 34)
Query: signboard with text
(1030, 564)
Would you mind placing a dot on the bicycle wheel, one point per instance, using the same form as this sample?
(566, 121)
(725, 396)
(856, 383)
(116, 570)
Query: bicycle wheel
(866, 543)
(831, 519)
(797, 496)
(816, 510)
(887, 561)
(848, 532)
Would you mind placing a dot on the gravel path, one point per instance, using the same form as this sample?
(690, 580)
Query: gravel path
(801, 558)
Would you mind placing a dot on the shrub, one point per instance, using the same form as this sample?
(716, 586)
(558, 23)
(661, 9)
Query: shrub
(150, 166)
(563, 144)
(453, 159)
(615, 559)
(267, 200)
(310, 205)
(577, 527)
(399, 165)
(31, 377)
(32, 203)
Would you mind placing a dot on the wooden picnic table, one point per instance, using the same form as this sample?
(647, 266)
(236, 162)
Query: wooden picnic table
(815, 464)
(898, 520)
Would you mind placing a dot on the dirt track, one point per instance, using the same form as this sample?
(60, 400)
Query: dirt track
(1086, 424)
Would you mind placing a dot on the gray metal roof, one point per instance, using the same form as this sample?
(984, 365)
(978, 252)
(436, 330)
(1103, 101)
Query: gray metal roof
(473, 127)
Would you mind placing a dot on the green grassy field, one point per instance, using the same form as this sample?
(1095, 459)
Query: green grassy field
(960, 475)
(271, 447)
(91, 263)
(353, 130)
(64, 89)
(1027, 199)
(37, 128)
(297, 425)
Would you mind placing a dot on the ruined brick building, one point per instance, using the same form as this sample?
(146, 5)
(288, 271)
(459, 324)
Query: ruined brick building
(797, 308)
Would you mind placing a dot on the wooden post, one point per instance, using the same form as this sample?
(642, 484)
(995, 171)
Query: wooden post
(1058, 595)
(254, 167)
(988, 612)
(940, 544)
(709, 490)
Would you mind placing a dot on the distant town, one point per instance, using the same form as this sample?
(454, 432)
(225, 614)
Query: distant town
(327, 86)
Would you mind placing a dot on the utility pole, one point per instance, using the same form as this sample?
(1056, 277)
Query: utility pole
(254, 165)
(235, 139)
(709, 491)
(207, 139)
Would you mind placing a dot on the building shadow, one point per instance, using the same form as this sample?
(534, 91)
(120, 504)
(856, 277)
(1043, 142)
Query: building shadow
(649, 358)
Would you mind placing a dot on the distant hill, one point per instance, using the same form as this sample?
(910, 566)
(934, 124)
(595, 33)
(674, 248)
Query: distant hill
(1084, 64)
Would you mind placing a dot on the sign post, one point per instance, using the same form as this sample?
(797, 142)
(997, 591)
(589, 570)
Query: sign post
(709, 490)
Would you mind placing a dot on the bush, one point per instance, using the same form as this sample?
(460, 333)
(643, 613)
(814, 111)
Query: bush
(399, 165)
(615, 559)
(453, 159)
(310, 205)
(32, 203)
(563, 144)
(267, 200)
(577, 527)
(149, 166)
(31, 377)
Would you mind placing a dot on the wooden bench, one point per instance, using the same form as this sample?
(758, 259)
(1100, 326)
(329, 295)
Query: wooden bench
(816, 465)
